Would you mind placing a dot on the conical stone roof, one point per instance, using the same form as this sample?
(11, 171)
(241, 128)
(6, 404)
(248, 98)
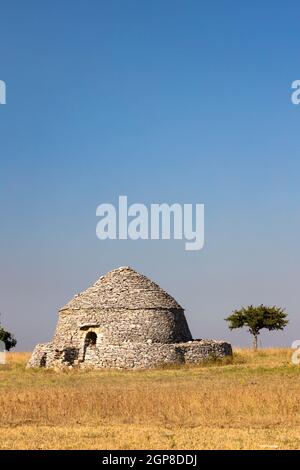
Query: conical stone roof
(123, 288)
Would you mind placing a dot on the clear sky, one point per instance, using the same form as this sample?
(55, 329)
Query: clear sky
(163, 101)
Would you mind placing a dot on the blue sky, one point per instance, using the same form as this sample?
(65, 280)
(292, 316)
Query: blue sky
(164, 101)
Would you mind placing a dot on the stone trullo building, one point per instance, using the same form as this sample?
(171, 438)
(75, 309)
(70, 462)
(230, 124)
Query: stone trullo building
(123, 321)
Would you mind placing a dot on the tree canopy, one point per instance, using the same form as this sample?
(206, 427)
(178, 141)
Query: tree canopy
(8, 338)
(257, 318)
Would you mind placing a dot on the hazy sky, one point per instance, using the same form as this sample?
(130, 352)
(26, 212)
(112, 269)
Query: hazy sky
(163, 101)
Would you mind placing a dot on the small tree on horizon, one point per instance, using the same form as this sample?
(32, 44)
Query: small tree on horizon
(8, 338)
(257, 318)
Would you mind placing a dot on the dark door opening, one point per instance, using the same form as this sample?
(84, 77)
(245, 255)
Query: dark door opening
(89, 342)
(90, 339)
(43, 360)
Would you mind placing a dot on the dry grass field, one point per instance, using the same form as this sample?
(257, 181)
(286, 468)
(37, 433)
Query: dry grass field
(249, 402)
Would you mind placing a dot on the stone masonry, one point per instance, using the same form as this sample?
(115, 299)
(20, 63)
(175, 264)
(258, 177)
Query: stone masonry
(124, 321)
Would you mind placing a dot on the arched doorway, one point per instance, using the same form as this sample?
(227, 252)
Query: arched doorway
(90, 339)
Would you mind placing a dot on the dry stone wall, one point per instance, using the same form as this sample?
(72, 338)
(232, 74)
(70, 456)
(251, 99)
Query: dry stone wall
(123, 288)
(123, 321)
(130, 355)
(145, 356)
(118, 325)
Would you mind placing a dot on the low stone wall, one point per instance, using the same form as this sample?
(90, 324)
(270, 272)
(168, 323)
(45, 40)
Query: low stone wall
(129, 355)
(50, 355)
(199, 350)
(144, 356)
(42, 355)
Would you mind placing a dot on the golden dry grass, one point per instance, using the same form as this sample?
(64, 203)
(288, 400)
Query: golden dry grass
(251, 402)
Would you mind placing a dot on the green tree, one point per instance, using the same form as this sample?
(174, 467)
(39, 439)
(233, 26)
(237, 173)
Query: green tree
(257, 318)
(8, 339)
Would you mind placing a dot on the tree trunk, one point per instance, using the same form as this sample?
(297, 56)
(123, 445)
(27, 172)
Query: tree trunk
(254, 342)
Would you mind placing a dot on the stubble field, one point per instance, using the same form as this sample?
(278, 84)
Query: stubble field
(249, 402)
